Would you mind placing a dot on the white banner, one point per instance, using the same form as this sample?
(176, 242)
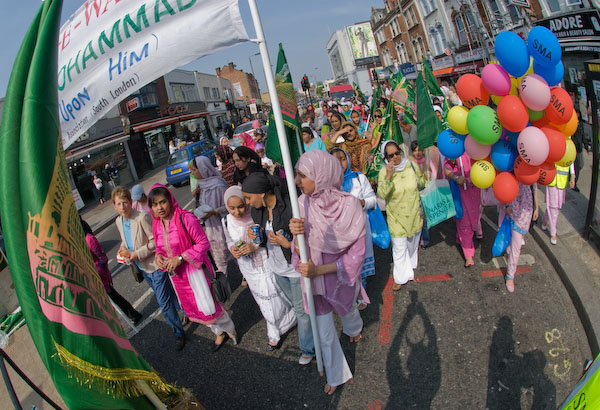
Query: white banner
(109, 49)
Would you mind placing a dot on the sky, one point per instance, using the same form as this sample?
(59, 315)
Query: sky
(304, 27)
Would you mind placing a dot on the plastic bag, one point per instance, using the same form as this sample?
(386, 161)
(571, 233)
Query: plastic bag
(437, 202)
(380, 232)
(502, 237)
(455, 189)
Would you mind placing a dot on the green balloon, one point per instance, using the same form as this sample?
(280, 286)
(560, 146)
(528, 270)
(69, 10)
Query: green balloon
(535, 115)
(484, 125)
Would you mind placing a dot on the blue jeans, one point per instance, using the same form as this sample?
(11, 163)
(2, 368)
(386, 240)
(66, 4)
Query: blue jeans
(166, 298)
(293, 290)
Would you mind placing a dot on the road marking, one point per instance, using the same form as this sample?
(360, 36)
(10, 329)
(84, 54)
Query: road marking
(145, 323)
(375, 405)
(489, 222)
(118, 269)
(502, 272)
(554, 337)
(385, 322)
(433, 278)
(142, 298)
(189, 203)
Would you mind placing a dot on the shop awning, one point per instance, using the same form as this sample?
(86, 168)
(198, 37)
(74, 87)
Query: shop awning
(94, 146)
(148, 125)
(459, 69)
(443, 71)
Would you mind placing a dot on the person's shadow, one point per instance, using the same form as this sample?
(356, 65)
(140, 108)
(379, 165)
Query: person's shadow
(508, 373)
(414, 381)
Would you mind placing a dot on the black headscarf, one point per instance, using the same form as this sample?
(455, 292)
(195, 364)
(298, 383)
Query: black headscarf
(255, 164)
(260, 183)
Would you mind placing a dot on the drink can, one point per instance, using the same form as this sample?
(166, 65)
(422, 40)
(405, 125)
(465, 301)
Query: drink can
(285, 235)
(122, 259)
(239, 244)
(258, 231)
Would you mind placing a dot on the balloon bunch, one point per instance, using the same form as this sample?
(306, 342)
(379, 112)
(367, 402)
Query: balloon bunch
(532, 126)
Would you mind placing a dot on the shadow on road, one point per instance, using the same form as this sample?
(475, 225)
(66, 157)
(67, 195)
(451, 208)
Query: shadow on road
(510, 373)
(415, 377)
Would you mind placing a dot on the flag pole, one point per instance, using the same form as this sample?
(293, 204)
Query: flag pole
(289, 170)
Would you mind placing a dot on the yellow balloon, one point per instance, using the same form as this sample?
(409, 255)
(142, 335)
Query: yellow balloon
(569, 156)
(514, 86)
(457, 119)
(529, 70)
(483, 174)
(570, 127)
(496, 99)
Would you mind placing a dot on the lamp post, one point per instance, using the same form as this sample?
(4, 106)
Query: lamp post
(252, 68)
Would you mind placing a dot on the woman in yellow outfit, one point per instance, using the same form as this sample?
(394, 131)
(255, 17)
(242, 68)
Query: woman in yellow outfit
(399, 185)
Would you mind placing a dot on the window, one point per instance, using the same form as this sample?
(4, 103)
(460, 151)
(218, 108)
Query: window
(148, 96)
(460, 27)
(421, 47)
(184, 92)
(402, 54)
(426, 6)
(416, 50)
(497, 15)
(206, 93)
(395, 28)
(409, 23)
(412, 16)
(380, 36)
(215, 93)
(513, 12)
(440, 30)
(435, 41)
(197, 150)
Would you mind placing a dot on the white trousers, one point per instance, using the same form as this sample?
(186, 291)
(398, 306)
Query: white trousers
(336, 367)
(352, 323)
(405, 251)
(223, 324)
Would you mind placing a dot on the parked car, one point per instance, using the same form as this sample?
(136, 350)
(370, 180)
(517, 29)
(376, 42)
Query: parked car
(177, 165)
(245, 127)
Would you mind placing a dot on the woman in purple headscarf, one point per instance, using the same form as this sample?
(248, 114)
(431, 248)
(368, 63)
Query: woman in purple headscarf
(333, 222)
(211, 187)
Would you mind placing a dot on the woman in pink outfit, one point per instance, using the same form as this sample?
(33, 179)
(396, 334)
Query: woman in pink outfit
(333, 222)
(521, 211)
(181, 250)
(459, 171)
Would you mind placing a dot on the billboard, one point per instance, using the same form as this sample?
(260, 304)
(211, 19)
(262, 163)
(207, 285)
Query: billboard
(362, 41)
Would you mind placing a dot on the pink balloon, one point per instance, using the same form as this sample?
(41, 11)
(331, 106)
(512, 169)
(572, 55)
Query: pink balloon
(496, 79)
(534, 92)
(532, 145)
(476, 150)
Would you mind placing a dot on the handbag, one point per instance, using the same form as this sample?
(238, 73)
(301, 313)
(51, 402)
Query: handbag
(220, 284)
(455, 189)
(503, 237)
(437, 202)
(136, 272)
(380, 233)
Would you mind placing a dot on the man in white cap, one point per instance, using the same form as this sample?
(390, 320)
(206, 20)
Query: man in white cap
(139, 200)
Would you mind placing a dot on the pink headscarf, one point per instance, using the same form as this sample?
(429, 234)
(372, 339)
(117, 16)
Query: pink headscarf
(239, 223)
(247, 140)
(335, 219)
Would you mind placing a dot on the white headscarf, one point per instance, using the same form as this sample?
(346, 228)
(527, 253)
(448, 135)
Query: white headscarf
(403, 162)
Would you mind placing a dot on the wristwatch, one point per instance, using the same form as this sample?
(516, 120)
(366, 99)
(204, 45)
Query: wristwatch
(180, 258)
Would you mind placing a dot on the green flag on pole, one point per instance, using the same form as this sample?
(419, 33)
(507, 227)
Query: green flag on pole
(428, 125)
(403, 95)
(289, 112)
(72, 322)
(388, 130)
(378, 92)
(430, 81)
(358, 93)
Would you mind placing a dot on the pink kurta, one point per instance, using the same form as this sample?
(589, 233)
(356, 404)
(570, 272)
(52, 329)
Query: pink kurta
(471, 205)
(169, 243)
(340, 287)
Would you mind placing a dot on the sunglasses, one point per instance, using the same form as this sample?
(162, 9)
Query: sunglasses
(377, 116)
(394, 154)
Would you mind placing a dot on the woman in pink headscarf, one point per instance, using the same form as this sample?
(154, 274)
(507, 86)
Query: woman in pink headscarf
(181, 250)
(246, 140)
(334, 224)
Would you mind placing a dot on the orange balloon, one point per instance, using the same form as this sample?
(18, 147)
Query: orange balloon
(547, 173)
(505, 187)
(512, 113)
(570, 127)
(541, 122)
(560, 109)
(525, 173)
(557, 143)
(471, 91)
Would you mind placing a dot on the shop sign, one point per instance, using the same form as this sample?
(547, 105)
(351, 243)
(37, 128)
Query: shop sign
(133, 104)
(582, 25)
(174, 109)
(468, 56)
(442, 62)
(407, 69)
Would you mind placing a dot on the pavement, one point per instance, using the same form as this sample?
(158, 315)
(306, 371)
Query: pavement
(453, 339)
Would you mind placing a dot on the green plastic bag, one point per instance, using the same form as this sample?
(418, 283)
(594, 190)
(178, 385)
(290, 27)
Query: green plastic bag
(437, 202)
(586, 394)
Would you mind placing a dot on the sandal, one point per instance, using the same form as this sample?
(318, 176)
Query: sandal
(469, 263)
(510, 283)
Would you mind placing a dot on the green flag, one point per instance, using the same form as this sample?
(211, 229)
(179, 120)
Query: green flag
(378, 92)
(586, 394)
(388, 130)
(289, 112)
(75, 329)
(428, 125)
(403, 95)
(430, 81)
(358, 93)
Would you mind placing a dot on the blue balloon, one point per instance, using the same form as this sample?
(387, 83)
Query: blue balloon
(451, 144)
(513, 136)
(553, 75)
(544, 46)
(512, 53)
(503, 155)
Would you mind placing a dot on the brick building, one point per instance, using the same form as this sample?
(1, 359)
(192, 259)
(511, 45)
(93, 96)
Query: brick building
(244, 85)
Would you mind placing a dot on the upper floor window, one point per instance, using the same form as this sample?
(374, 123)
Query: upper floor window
(184, 92)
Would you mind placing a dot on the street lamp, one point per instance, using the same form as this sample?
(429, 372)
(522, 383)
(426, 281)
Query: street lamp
(252, 68)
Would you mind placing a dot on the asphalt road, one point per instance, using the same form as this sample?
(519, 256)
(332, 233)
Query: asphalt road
(454, 339)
